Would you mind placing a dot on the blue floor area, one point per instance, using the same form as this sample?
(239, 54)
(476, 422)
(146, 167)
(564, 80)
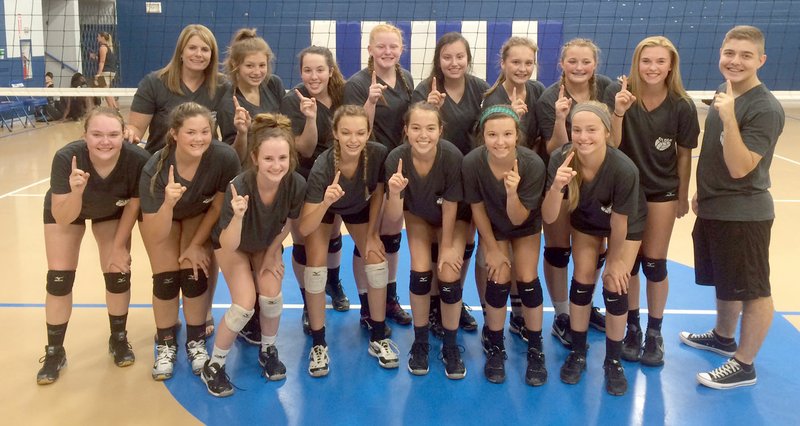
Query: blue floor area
(358, 391)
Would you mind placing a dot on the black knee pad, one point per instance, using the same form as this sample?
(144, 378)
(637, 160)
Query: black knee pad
(117, 282)
(434, 252)
(616, 304)
(167, 285)
(59, 283)
(356, 253)
(299, 254)
(335, 244)
(420, 282)
(557, 256)
(601, 260)
(468, 250)
(654, 269)
(391, 243)
(193, 286)
(580, 294)
(450, 292)
(530, 293)
(636, 263)
(497, 294)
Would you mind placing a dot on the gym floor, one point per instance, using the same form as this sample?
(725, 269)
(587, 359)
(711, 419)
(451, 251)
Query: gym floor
(357, 391)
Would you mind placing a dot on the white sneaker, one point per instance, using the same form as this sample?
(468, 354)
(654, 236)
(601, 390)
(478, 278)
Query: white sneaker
(318, 361)
(165, 361)
(386, 352)
(197, 354)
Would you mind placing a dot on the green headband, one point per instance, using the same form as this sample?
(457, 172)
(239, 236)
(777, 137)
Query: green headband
(498, 109)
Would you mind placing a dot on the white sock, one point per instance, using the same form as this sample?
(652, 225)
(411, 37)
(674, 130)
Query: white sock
(561, 307)
(267, 341)
(219, 356)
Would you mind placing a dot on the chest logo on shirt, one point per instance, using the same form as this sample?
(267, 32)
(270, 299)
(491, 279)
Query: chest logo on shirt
(123, 203)
(663, 143)
(606, 209)
(208, 200)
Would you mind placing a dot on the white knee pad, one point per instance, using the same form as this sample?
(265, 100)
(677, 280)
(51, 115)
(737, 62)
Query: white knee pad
(271, 307)
(236, 317)
(315, 278)
(377, 274)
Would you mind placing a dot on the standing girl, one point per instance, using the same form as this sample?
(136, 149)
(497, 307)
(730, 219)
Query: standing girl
(96, 178)
(424, 184)
(655, 124)
(503, 182)
(190, 76)
(579, 82)
(384, 89)
(249, 238)
(604, 201)
(253, 88)
(183, 187)
(347, 180)
(107, 65)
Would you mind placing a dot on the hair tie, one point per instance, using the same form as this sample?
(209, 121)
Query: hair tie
(498, 109)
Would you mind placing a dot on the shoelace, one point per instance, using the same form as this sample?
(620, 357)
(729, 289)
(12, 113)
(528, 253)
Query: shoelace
(496, 350)
(726, 369)
(220, 376)
(319, 356)
(196, 349)
(166, 354)
(703, 336)
(425, 348)
(448, 351)
(389, 349)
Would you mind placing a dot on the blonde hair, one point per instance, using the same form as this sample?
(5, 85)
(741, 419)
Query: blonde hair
(267, 126)
(388, 28)
(749, 33)
(574, 187)
(349, 111)
(107, 41)
(171, 73)
(582, 42)
(511, 42)
(246, 42)
(673, 81)
(101, 110)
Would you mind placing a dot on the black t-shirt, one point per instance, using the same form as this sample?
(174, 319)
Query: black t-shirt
(651, 139)
(546, 107)
(102, 197)
(261, 222)
(388, 124)
(480, 184)
(423, 195)
(355, 190)
(270, 93)
(615, 187)
(460, 119)
(218, 166)
(290, 106)
(719, 196)
(154, 98)
(528, 122)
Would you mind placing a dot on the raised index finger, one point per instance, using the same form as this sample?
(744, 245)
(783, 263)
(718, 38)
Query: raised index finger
(561, 92)
(233, 191)
(171, 177)
(516, 166)
(513, 94)
(434, 86)
(728, 87)
(374, 78)
(400, 167)
(569, 158)
(336, 178)
(235, 103)
(74, 163)
(624, 83)
(299, 95)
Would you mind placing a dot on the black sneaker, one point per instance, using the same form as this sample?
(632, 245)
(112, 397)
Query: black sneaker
(396, 313)
(435, 323)
(454, 367)
(367, 325)
(216, 379)
(418, 359)
(616, 383)
(495, 369)
(632, 344)
(272, 367)
(573, 368)
(119, 347)
(597, 320)
(536, 373)
(251, 333)
(339, 299)
(467, 321)
(561, 330)
(727, 376)
(306, 324)
(708, 341)
(516, 325)
(653, 354)
(54, 359)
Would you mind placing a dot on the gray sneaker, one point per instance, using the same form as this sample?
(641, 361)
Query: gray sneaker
(653, 354)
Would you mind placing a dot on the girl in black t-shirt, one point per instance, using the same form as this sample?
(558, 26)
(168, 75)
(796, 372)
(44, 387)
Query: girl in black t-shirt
(603, 202)
(96, 178)
(183, 188)
(503, 182)
(424, 186)
(655, 124)
(347, 180)
(248, 241)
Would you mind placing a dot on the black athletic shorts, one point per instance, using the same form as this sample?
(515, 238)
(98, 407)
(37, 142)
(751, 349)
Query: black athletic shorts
(733, 257)
(354, 219)
(48, 218)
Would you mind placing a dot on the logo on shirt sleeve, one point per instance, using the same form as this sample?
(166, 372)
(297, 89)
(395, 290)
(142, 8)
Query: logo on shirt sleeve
(606, 209)
(123, 203)
(663, 144)
(208, 200)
